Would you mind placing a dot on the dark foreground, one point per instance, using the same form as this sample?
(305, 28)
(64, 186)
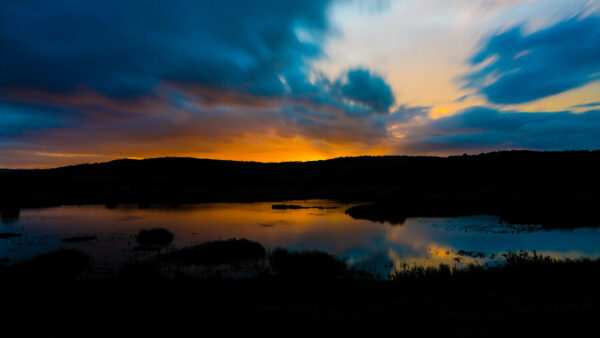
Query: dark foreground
(301, 293)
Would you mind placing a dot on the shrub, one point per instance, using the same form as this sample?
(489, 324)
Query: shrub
(231, 251)
(156, 236)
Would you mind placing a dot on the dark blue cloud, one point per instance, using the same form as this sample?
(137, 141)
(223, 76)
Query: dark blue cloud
(358, 92)
(125, 48)
(526, 67)
(484, 128)
(17, 119)
(367, 89)
(128, 49)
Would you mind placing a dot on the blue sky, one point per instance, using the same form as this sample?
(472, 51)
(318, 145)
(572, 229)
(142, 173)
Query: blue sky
(273, 80)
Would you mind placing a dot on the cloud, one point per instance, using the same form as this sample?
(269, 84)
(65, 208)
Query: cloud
(127, 48)
(587, 105)
(94, 80)
(120, 53)
(153, 78)
(20, 118)
(485, 129)
(368, 89)
(241, 133)
(358, 92)
(516, 67)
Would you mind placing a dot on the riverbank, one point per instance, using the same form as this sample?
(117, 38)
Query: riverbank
(529, 294)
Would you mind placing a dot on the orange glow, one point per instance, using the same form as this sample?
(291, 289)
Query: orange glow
(439, 252)
(250, 147)
(196, 223)
(222, 125)
(273, 148)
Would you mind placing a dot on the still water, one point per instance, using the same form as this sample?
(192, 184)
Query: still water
(377, 246)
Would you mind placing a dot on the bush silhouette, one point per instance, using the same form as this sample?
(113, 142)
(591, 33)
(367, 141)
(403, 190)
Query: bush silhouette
(155, 237)
(56, 265)
(231, 251)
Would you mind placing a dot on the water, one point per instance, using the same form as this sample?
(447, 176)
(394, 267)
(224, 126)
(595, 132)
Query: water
(382, 247)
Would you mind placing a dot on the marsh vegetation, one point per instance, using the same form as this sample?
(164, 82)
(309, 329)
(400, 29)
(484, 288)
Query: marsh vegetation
(8, 235)
(528, 292)
(78, 239)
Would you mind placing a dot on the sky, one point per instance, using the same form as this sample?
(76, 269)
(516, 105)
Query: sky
(294, 80)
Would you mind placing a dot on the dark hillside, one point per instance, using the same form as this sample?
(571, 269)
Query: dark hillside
(461, 184)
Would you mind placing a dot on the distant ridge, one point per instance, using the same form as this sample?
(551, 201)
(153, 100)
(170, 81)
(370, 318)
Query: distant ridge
(544, 179)
(189, 160)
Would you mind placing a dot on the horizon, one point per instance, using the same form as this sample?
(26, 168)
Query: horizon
(295, 81)
(307, 161)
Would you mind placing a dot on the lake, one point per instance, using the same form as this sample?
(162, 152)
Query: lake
(381, 247)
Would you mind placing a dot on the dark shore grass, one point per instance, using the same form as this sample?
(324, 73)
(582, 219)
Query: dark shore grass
(78, 239)
(308, 265)
(62, 264)
(529, 295)
(317, 265)
(305, 293)
(232, 251)
(8, 235)
(514, 270)
(155, 237)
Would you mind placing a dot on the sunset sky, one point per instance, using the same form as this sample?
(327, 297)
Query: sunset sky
(287, 80)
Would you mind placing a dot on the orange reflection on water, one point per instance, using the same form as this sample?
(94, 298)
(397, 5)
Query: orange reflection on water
(320, 225)
(302, 228)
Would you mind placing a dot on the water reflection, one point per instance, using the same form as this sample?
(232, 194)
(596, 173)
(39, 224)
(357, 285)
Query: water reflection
(365, 244)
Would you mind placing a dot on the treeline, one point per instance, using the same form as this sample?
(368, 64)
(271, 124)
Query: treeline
(494, 177)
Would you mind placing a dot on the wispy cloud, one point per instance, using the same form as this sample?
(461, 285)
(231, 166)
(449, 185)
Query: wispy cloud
(484, 129)
(527, 67)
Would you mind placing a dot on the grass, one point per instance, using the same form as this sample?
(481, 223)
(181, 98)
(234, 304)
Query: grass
(78, 239)
(8, 235)
(517, 271)
(60, 264)
(155, 237)
(528, 293)
(140, 270)
(472, 254)
(531, 294)
(307, 264)
(515, 267)
(232, 251)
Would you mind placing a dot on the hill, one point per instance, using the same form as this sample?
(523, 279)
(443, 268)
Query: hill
(465, 184)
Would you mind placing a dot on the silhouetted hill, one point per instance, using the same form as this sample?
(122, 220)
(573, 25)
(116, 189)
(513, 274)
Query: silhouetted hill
(461, 184)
